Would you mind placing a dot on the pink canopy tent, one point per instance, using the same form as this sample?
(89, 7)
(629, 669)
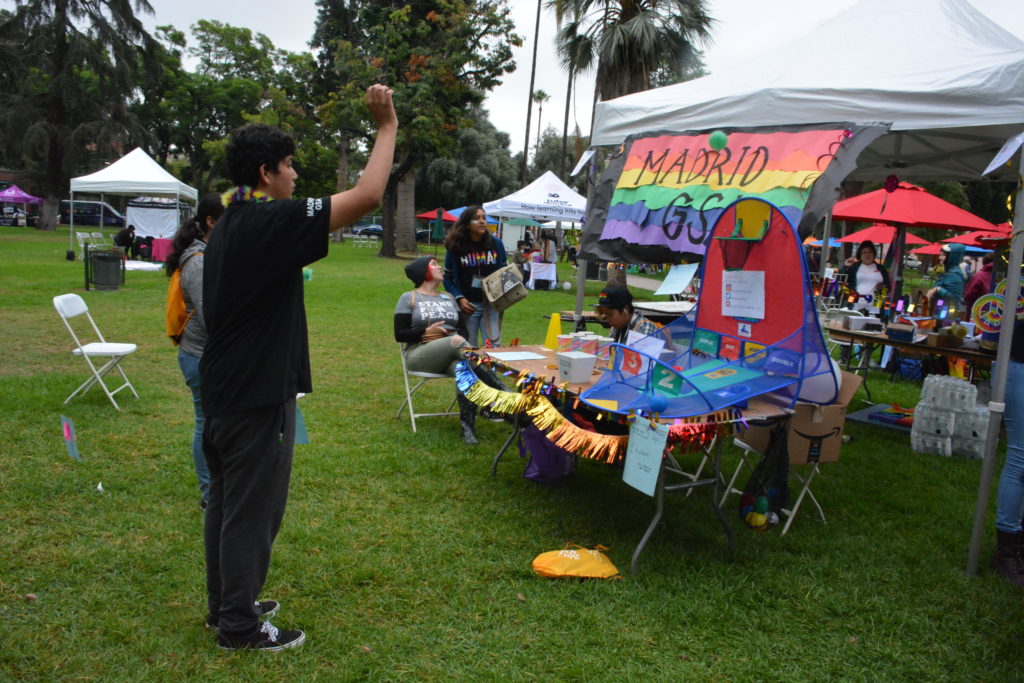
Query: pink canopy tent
(15, 195)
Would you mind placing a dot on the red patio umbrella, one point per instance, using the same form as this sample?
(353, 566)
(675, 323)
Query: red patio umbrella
(984, 238)
(432, 215)
(880, 233)
(903, 205)
(908, 205)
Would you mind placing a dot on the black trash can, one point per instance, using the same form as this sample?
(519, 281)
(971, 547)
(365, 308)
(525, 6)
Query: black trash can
(107, 266)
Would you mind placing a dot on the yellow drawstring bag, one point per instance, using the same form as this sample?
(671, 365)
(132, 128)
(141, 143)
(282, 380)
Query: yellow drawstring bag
(575, 561)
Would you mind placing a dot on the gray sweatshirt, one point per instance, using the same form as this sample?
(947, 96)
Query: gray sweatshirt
(193, 339)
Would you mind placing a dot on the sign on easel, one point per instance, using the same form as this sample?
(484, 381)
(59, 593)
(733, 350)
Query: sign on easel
(644, 454)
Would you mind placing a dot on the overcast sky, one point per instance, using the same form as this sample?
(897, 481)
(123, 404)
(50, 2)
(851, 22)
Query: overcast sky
(742, 28)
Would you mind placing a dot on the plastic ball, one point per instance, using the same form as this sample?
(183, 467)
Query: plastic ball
(567, 286)
(756, 520)
(718, 140)
(772, 519)
(761, 505)
(658, 404)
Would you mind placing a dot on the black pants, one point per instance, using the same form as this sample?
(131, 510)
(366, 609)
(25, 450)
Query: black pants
(249, 455)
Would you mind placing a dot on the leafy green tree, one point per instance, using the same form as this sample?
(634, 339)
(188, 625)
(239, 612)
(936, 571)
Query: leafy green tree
(82, 60)
(439, 57)
(548, 157)
(482, 169)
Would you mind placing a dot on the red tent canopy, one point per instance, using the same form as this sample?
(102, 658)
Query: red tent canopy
(880, 233)
(908, 205)
(432, 215)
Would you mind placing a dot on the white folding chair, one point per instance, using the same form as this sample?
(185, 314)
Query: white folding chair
(423, 378)
(70, 306)
(83, 238)
(99, 240)
(747, 460)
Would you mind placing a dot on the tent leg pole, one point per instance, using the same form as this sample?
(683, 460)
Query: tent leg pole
(823, 261)
(996, 404)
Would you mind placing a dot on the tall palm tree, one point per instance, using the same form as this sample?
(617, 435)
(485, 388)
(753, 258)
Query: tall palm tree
(540, 97)
(629, 41)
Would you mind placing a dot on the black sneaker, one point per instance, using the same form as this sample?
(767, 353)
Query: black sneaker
(266, 637)
(264, 610)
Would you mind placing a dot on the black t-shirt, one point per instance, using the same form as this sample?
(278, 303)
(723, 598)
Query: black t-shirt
(257, 352)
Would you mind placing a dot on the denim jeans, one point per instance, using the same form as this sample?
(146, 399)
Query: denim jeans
(1010, 496)
(189, 365)
(484, 322)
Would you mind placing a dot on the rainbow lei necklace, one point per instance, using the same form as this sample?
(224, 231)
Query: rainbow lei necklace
(244, 193)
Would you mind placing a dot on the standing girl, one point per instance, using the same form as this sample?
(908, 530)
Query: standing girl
(187, 254)
(473, 254)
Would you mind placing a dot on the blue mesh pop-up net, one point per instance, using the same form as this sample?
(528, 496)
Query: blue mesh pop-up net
(754, 332)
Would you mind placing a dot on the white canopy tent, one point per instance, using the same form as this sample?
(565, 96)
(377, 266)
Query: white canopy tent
(545, 199)
(949, 81)
(136, 173)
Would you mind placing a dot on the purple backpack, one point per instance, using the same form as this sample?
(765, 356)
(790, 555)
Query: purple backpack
(548, 462)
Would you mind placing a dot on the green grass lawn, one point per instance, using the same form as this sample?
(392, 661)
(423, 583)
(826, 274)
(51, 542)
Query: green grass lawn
(403, 558)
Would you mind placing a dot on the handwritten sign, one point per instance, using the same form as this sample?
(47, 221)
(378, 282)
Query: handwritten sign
(644, 454)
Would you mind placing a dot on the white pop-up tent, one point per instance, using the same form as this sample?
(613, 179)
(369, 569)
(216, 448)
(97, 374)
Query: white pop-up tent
(948, 81)
(136, 173)
(545, 199)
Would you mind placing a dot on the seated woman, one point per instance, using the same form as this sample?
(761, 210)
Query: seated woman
(615, 305)
(427, 320)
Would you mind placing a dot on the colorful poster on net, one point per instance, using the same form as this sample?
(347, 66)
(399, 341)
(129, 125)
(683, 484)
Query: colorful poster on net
(743, 294)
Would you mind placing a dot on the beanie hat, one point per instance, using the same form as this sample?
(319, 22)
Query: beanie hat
(417, 270)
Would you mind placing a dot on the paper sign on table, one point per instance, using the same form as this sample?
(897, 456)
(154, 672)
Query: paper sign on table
(515, 355)
(677, 279)
(643, 455)
(70, 440)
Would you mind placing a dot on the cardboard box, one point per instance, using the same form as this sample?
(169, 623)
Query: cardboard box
(814, 432)
(575, 367)
(900, 332)
(857, 322)
(944, 341)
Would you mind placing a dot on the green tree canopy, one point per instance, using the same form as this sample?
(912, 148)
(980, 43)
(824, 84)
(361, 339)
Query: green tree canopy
(79, 62)
(439, 57)
(482, 168)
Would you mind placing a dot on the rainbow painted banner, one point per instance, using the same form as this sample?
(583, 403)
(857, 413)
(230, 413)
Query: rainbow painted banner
(663, 194)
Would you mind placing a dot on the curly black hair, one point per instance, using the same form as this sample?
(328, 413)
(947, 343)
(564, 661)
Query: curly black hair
(253, 146)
